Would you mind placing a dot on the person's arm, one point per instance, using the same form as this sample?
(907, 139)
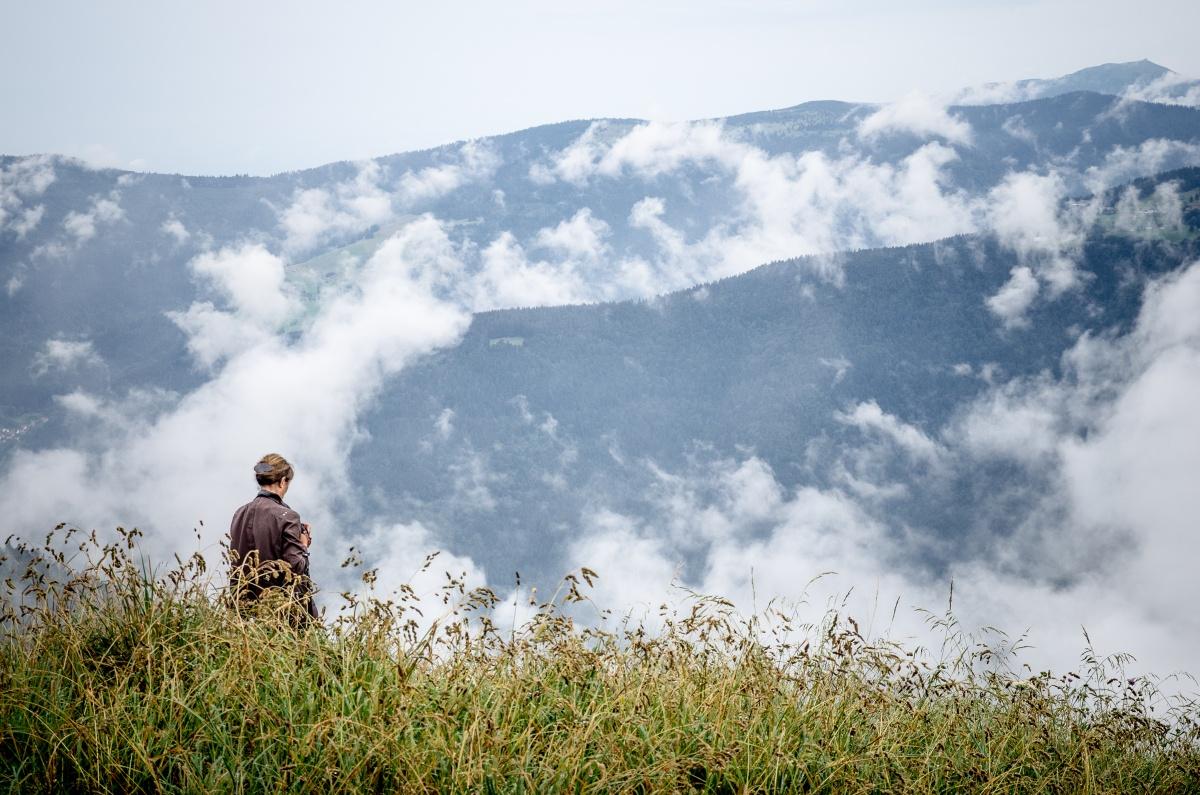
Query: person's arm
(295, 550)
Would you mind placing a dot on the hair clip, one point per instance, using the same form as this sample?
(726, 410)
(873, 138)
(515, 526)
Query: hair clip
(263, 468)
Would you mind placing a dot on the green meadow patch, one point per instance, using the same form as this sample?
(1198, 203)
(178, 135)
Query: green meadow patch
(117, 677)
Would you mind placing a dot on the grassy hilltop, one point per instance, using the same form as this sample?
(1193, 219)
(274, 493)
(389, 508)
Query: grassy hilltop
(119, 680)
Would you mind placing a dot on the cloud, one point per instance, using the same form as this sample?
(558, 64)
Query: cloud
(474, 161)
(1015, 126)
(1170, 88)
(757, 542)
(99, 156)
(574, 164)
(1027, 213)
(1097, 533)
(251, 280)
(656, 148)
(399, 553)
(317, 215)
(916, 114)
(636, 568)
(63, 355)
(868, 416)
(995, 93)
(301, 393)
(785, 205)
(23, 179)
(580, 237)
(104, 210)
(175, 229)
(508, 277)
(1136, 469)
(1106, 439)
(1018, 420)
(1153, 156)
(1014, 299)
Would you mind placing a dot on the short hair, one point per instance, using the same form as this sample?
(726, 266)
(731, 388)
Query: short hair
(272, 468)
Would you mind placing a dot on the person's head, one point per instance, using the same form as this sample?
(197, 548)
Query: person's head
(273, 473)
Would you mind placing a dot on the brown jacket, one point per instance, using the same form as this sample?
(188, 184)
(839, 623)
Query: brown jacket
(266, 552)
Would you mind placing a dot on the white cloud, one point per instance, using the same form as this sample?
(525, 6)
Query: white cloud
(787, 205)
(1156, 155)
(916, 114)
(1020, 421)
(791, 205)
(655, 148)
(868, 416)
(576, 163)
(251, 280)
(1102, 537)
(1024, 213)
(175, 228)
(1170, 88)
(579, 268)
(474, 161)
(317, 215)
(1110, 440)
(28, 220)
(399, 553)
(99, 156)
(994, 94)
(759, 543)
(1028, 214)
(82, 226)
(23, 179)
(636, 569)
(64, 355)
(581, 237)
(509, 278)
(1014, 299)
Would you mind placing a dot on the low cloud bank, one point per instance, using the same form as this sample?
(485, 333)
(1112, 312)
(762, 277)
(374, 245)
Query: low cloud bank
(813, 204)
(1106, 542)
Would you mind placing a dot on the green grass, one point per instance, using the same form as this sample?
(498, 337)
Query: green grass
(118, 680)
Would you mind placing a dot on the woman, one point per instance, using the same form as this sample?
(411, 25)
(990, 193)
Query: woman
(268, 544)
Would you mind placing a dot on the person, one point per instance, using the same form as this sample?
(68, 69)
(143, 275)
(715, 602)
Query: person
(268, 544)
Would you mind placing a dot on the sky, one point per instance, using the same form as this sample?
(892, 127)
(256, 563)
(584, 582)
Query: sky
(224, 88)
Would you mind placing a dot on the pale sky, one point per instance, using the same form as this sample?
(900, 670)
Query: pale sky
(222, 87)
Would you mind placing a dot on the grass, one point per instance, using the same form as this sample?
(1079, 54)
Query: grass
(116, 679)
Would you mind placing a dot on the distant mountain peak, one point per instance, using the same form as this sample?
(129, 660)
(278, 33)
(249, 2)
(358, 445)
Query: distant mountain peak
(1116, 79)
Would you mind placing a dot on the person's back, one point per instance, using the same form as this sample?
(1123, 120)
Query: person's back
(268, 544)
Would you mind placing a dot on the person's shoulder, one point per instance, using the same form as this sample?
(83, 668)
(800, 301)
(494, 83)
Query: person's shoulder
(260, 503)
